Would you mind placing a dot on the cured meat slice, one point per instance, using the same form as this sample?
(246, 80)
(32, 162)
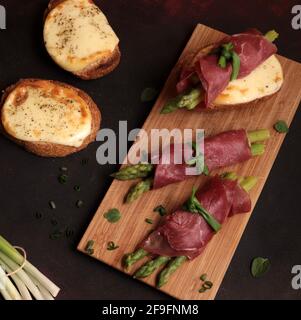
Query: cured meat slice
(183, 233)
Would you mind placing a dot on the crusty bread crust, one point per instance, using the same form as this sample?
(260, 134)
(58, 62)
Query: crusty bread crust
(190, 61)
(45, 149)
(102, 67)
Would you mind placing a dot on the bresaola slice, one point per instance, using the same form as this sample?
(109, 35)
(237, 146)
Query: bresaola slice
(223, 150)
(252, 48)
(184, 233)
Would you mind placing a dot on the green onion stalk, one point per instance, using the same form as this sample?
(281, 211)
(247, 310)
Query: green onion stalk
(26, 281)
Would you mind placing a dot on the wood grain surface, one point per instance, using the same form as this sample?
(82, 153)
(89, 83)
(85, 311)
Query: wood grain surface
(132, 228)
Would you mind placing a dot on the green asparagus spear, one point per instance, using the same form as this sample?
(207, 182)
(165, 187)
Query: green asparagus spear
(171, 268)
(248, 183)
(271, 35)
(189, 101)
(257, 149)
(132, 258)
(139, 189)
(150, 267)
(259, 135)
(134, 172)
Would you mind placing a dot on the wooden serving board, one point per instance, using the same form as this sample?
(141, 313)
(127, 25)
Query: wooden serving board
(132, 228)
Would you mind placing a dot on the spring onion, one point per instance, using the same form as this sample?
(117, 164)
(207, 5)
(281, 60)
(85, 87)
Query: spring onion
(26, 281)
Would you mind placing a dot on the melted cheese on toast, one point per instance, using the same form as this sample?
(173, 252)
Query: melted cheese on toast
(42, 111)
(78, 36)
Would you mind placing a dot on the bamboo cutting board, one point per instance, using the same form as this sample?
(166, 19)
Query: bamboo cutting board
(132, 228)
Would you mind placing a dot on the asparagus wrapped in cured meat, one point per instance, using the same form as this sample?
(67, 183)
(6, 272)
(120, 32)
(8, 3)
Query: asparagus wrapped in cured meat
(220, 151)
(184, 234)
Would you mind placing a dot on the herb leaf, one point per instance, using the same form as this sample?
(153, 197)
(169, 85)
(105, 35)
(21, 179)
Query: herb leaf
(149, 94)
(260, 266)
(161, 210)
(281, 126)
(113, 215)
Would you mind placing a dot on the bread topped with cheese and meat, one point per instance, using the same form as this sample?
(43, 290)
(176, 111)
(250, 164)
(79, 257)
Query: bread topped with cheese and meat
(49, 118)
(79, 39)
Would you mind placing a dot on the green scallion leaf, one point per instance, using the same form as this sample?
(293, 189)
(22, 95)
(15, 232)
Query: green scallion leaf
(193, 205)
(222, 62)
(281, 126)
(113, 215)
(235, 66)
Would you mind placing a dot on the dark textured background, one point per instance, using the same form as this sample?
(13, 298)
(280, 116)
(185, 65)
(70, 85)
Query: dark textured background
(153, 34)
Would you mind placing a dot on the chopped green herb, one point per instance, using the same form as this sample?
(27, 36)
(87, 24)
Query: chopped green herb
(149, 221)
(63, 178)
(149, 94)
(260, 266)
(54, 222)
(281, 126)
(202, 290)
(161, 210)
(203, 277)
(112, 246)
(79, 203)
(113, 215)
(69, 232)
(38, 215)
(85, 161)
(52, 205)
(90, 247)
(77, 188)
(57, 234)
(208, 285)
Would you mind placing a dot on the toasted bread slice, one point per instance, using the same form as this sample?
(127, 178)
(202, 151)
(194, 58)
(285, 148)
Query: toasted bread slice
(79, 39)
(49, 118)
(262, 83)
